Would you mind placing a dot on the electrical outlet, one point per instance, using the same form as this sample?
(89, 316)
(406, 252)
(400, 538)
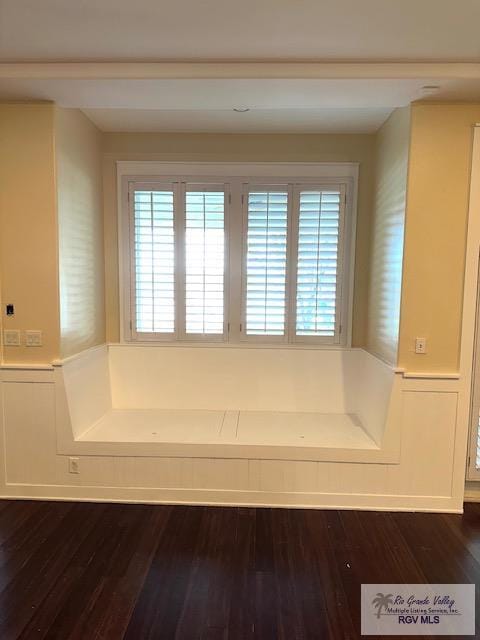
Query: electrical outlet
(33, 338)
(74, 465)
(420, 345)
(11, 337)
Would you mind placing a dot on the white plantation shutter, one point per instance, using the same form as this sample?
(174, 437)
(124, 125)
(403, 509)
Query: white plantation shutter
(154, 260)
(266, 261)
(217, 258)
(204, 261)
(317, 262)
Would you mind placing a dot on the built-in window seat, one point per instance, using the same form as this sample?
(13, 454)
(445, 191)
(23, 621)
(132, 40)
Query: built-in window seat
(264, 403)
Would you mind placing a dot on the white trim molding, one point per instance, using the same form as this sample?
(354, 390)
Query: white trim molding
(241, 70)
(471, 317)
(244, 170)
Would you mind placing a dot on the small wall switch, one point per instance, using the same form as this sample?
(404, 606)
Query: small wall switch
(420, 345)
(11, 337)
(74, 465)
(33, 338)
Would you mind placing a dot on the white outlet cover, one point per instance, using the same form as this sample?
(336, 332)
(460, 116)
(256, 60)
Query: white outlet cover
(11, 337)
(33, 338)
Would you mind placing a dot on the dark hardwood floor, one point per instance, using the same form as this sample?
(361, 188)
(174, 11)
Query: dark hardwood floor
(88, 571)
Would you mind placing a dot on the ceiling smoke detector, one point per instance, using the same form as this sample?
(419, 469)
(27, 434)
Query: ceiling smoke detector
(241, 109)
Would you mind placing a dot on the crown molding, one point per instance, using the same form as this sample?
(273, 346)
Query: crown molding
(240, 70)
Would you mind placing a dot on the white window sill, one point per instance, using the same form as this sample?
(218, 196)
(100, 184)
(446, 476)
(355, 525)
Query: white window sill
(234, 345)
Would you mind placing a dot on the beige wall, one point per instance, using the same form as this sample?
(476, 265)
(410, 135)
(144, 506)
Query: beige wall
(28, 231)
(437, 200)
(387, 227)
(238, 148)
(435, 234)
(80, 225)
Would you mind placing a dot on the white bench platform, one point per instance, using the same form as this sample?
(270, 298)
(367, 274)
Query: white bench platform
(259, 428)
(226, 403)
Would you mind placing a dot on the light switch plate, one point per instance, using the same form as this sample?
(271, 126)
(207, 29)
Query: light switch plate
(33, 338)
(11, 337)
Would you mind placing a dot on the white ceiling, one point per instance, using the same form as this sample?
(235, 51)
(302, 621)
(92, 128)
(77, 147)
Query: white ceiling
(207, 104)
(284, 96)
(216, 93)
(436, 30)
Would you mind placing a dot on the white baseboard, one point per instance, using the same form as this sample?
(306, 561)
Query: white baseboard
(229, 498)
(472, 494)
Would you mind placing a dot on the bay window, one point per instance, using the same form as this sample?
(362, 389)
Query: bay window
(226, 258)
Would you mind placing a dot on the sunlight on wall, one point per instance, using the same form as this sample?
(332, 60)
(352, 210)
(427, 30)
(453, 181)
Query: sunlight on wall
(80, 223)
(388, 222)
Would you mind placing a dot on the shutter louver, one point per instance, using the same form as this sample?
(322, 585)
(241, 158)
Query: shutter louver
(204, 261)
(154, 261)
(266, 262)
(317, 262)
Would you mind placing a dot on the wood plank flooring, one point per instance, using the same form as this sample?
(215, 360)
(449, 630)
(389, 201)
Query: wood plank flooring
(136, 572)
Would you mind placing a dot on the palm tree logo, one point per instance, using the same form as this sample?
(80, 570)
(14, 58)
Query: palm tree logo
(382, 602)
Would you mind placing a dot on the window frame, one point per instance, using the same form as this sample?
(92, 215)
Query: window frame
(235, 178)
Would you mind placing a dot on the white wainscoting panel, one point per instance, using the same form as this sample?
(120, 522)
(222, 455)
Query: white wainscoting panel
(422, 416)
(29, 411)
